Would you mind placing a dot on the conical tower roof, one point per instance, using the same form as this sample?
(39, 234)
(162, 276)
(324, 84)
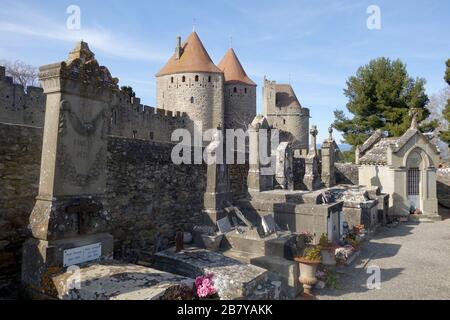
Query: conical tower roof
(233, 70)
(194, 58)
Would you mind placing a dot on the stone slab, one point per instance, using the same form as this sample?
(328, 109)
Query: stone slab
(119, 281)
(232, 278)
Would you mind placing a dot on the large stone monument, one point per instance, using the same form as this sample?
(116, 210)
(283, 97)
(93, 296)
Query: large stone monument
(261, 171)
(328, 158)
(68, 222)
(217, 195)
(312, 177)
(70, 254)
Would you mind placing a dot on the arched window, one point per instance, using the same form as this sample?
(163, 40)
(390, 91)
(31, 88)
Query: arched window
(192, 99)
(234, 89)
(183, 79)
(171, 80)
(245, 90)
(196, 78)
(209, 79)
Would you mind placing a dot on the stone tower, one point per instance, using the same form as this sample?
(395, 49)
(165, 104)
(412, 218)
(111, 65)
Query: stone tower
(240, 93)
(190, 82)
(284, 112)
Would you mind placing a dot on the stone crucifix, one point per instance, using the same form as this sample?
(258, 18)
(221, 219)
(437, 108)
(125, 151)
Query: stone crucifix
(313, 148)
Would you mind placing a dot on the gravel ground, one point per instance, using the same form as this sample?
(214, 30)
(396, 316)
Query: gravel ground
(414, 259)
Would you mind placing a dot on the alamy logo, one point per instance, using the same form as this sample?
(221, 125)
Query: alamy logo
(374, 19)
(191, 148)
(74, 20)
(74, 280)
(374, 281)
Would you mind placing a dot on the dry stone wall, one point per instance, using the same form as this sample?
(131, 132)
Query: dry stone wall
(20, 156)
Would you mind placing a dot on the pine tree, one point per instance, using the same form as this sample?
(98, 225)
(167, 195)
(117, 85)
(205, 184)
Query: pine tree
(445, 135)
(381, 95)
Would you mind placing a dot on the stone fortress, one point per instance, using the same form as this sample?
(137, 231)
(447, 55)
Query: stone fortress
(189, 88)
(124, 195)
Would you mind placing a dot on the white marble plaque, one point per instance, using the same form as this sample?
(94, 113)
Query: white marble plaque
(82, 254)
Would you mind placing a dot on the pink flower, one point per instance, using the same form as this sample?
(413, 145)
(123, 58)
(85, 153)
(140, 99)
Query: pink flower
(198, 281)
(202, 292)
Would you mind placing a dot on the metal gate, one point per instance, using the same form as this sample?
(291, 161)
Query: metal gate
(414, 187)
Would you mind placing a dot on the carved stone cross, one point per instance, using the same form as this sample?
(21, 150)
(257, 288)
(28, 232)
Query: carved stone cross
(313, 133)
(83, 209)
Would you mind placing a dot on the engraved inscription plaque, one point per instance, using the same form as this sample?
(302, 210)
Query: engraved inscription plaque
(82, 254)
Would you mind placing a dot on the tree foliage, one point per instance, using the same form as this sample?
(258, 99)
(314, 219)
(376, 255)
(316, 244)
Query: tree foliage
(445, 135)
(380, 96)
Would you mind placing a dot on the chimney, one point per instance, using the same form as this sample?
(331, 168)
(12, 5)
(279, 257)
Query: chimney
(178, 50)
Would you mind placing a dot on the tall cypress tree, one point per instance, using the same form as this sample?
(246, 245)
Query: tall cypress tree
(381, 95)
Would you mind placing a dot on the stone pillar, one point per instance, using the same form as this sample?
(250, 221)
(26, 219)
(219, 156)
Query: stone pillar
(217, 182)
(284, 166)
(312, 177)
(68, 223)
(260, 174)
(328, 159)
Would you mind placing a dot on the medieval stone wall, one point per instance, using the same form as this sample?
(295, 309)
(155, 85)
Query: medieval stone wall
(346, 173)
(148, 196)
(129, 118)
(18, 106)
(20, 157)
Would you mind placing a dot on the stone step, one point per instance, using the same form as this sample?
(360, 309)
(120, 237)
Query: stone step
(287, 270)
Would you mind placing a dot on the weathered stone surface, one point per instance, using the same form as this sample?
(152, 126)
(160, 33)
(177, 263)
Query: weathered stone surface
(232, 279)
(118, 281)
(346, 173)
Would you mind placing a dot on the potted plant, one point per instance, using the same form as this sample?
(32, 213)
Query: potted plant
(308, 267)
(327, 251)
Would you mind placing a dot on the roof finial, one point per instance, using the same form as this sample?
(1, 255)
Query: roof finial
(193, 25)
(231, 42)
(413, 113)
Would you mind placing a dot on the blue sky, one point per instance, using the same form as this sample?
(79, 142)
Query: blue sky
(316, 45)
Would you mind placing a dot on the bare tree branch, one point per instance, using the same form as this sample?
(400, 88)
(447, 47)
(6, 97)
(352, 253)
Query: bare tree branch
(22, 73)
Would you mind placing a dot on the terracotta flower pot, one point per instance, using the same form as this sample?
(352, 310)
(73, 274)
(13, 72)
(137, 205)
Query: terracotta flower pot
(308, 270)
(328, 256)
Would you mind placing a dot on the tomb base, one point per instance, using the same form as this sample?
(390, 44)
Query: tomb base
(42, 259)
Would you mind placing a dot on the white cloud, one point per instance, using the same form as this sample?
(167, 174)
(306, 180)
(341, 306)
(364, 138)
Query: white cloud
(27, 23)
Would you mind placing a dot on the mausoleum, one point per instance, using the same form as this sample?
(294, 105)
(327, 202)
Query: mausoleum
(403, 167)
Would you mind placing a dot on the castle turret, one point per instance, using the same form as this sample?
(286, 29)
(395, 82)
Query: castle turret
(284, 112)
(190, 82)
(240, 93)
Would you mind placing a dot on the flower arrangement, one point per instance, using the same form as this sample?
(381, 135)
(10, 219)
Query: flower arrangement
(324, 243)
(312, 253)
(205, 286)
(307, 237)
